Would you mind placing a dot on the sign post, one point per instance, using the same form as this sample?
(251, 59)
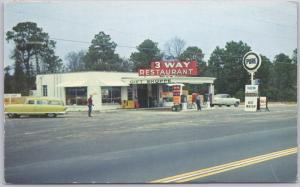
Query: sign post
(251, 62)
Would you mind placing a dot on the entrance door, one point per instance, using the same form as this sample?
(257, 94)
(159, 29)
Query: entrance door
(154, 99)
(142, 93)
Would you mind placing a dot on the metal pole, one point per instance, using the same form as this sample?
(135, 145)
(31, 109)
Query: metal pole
(252, 75)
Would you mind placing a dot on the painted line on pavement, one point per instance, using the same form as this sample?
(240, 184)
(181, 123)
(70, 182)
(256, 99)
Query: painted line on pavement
(185, 177)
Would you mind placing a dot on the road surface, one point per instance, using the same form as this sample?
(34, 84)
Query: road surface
(144, 146)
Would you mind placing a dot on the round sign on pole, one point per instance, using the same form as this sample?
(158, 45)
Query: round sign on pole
(251, 61)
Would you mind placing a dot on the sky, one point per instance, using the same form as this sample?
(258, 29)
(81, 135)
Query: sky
(268, 27)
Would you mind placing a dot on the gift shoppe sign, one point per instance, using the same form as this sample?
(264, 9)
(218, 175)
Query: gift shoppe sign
(170, 68)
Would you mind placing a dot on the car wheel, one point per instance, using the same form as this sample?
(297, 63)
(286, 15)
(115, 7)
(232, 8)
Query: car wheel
(14, 116)
(51, 115)
(228, 105)
(10, 115)
(236, 104)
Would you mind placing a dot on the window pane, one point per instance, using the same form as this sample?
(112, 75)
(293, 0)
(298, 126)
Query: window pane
(111, 94)
(116, 94)
(31, 102)
(106, 94)
(41, 102)
(76, 96)
(55, 103)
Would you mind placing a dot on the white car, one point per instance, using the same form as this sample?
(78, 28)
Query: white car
(225, 99)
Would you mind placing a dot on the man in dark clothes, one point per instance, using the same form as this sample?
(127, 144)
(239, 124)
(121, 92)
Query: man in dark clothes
(90, 105)
(198, 102)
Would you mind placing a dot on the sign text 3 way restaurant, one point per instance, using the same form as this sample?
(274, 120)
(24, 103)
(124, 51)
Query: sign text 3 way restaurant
(170, 68)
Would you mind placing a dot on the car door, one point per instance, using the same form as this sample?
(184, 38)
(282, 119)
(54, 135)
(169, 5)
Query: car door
(28, 107)
(42, 107)
(56, 106)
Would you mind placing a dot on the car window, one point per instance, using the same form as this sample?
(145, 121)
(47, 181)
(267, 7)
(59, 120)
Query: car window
(42, 102)
(31, 102)
(53, 102)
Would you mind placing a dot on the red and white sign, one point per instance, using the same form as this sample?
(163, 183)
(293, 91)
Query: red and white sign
(168, 72)
(263, 102)
(173, 64)
(170, 68)
(176, 94)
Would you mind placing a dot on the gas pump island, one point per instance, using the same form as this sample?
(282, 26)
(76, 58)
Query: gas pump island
(251, 62)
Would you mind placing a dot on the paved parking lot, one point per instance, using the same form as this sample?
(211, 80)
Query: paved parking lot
(59, 150)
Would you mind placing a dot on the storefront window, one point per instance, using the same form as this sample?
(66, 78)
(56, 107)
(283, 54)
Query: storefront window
(76, 96)
(167, 88)
(111, 95)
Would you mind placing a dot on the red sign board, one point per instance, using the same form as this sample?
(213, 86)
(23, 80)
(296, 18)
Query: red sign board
(173, 64)
(166, 68)
(176, 94)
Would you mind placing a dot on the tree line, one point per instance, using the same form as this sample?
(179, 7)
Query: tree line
(34, 53)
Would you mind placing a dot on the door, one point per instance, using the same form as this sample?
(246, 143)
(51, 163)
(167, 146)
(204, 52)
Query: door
(142, 93)
(155, 95)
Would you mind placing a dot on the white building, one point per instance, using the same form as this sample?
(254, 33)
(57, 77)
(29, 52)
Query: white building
(109, 89)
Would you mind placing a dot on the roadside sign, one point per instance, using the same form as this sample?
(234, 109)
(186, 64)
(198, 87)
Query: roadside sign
(263, 103)
(251, 89)
(251, 95)
(251, 61)
(251, 104)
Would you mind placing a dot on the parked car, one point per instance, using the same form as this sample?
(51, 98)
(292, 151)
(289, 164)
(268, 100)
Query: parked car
(50, 107)
(225, 99)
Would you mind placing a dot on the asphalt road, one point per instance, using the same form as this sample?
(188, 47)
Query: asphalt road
(140, 146)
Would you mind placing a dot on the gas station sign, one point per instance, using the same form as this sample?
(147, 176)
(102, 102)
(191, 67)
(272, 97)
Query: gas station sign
(251, 95)
(251, 62)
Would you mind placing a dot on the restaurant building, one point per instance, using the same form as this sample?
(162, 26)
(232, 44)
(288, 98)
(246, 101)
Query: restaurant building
(111, 89)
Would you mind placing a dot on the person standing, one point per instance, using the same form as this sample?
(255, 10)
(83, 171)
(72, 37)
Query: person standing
(198, 102)
(90, 105)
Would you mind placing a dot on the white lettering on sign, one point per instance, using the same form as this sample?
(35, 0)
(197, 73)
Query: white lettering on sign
(142, 72)
(156, 64)
(186, 64)
(251, 61)
(251, 104)
(251, 88)
(169, 65)
(172, 64)
(151, 81)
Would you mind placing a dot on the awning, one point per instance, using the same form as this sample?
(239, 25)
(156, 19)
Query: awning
(112, 82)
(72, 84)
